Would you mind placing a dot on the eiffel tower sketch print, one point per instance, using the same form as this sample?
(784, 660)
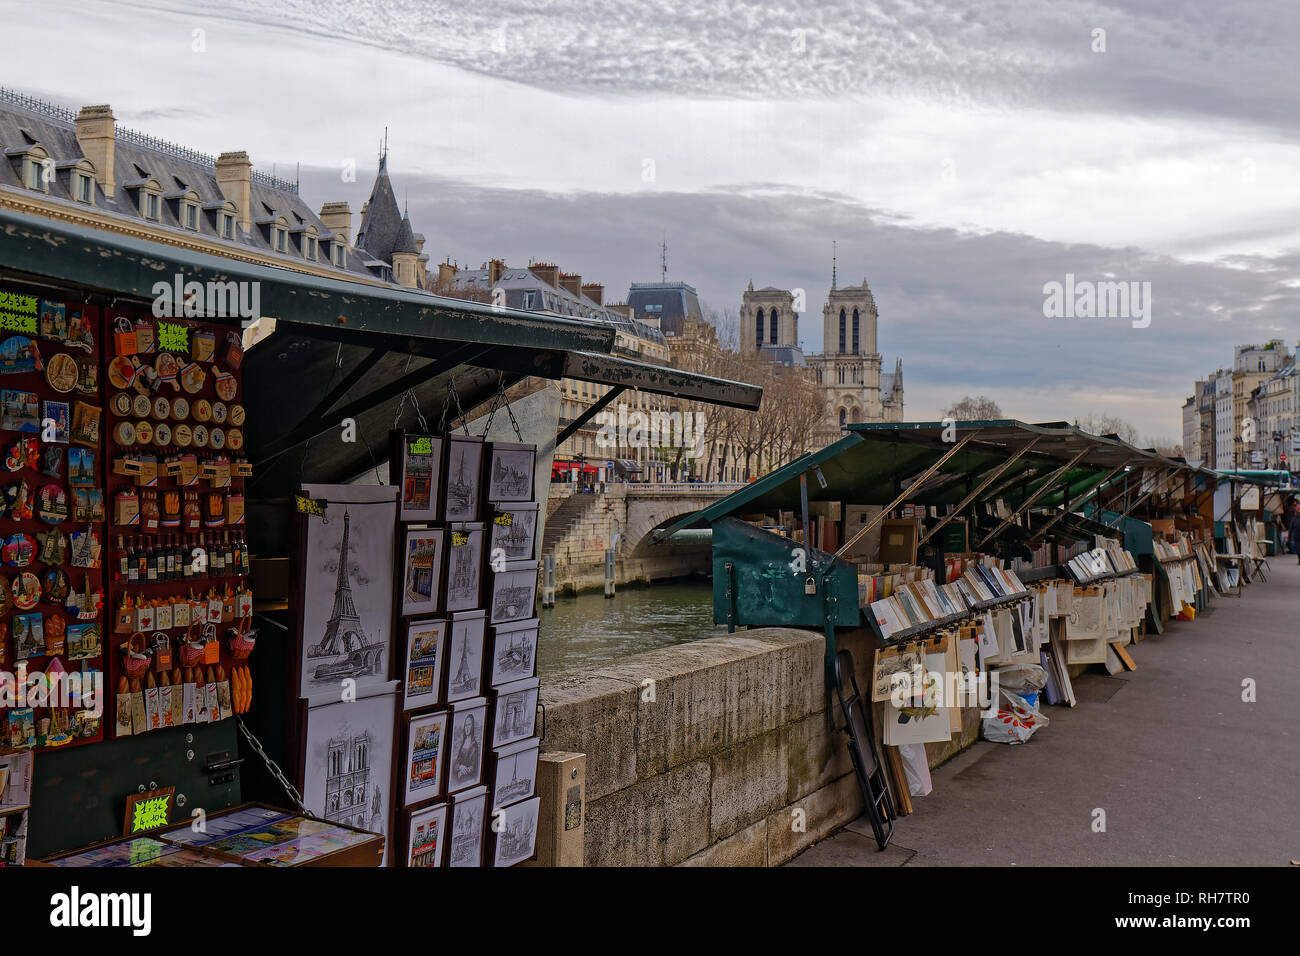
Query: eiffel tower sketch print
(347, 601)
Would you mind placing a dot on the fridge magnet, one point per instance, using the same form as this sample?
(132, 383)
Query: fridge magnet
(29, 636)
(85, 424)
(425, 837)
(26, 590)
(80, 335)
(19, 500)
(88, 504)
(425, 641)
(167, 368)
(424, 750)
(465, 656)
(87, 377)
(24, 453)
(464, 566)
(81, 467)
(421, 568)
(53, 547)
(510, 471)
(52, 462)
(18, 354)
(122, 372)
(22, 728)
(85, 548)
(55, 586)
(19, 411)
(54, 321)
(84, 641)
(465, 759)
(141, 406)
(61, 372)
(464, 464)
(417, 469)
(55, 422)
(52, 504)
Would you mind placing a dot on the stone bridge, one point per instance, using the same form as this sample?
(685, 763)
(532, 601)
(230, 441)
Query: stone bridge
(579, 528)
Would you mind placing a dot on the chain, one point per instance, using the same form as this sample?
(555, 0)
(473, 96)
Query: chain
(499, 400)
(397, 415)
(446, 403)
(273, 768)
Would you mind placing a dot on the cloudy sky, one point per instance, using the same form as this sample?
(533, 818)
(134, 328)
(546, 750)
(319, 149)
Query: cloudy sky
(962, 156)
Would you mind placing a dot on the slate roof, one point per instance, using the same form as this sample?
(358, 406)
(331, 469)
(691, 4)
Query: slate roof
(136, 160)
(384, 231)
(677, 301)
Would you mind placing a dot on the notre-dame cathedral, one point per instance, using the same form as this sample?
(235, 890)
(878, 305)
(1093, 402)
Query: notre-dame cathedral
(848, 369)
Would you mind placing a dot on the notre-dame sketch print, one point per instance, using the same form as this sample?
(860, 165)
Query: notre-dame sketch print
(347, 595)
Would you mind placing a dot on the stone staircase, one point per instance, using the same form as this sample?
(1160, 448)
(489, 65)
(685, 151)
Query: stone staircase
(563, 520)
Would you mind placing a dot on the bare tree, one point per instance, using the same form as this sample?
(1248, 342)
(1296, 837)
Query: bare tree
(1098, 424)
(973, 408)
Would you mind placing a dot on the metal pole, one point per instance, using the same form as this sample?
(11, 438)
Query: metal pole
(1096, 489)
(1045, 487)
(997, 473)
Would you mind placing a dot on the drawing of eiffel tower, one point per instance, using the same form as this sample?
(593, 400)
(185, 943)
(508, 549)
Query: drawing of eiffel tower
(344, 632)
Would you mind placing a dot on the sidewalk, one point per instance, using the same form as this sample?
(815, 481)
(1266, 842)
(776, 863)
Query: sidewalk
(1187, 773)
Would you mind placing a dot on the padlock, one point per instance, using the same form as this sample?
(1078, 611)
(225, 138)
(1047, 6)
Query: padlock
(809, 585)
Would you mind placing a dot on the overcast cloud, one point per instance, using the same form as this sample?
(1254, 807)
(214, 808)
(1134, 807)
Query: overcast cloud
(962, 155)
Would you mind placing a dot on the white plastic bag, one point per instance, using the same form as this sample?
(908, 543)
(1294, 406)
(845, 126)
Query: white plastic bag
(1022, 678)
(1015, 722)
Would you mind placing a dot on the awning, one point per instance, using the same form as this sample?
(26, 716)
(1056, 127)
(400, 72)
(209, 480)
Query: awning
(627, 466)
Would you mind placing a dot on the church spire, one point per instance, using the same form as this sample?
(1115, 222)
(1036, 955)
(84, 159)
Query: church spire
(834, 262)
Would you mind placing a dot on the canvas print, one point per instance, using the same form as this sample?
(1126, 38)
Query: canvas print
(515, 777)
(514, 530)
(426, 743)
(468, 818)
(514, 652)
(516, 712)
(510, 472)
(517, 833)
(418, 467)
(464, 467)
(514, 592)
(465, 656)
(425, 836)
(464, 566)
(465, 759)
(348, 761)
(421, 570)
(348, 594)
(425, 644)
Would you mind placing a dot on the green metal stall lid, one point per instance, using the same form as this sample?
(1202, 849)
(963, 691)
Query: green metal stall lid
(874, 462)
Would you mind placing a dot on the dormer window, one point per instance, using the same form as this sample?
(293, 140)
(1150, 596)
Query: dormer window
(309, 247)
(227, 226)
(36, 175)
(281, 240)
(191, 215)
(340, 254)
(150, 206)
(85, 191)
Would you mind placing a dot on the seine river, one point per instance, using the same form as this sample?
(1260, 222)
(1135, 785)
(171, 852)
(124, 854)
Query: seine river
(591, 629)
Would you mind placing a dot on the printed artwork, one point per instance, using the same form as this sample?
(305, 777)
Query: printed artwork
(516, 832)
(424, 845)
(465, 657)
(514, 593)
(347, 595)
(464, 567)
(421, 570)
(421, 461)
(513, 533)
(468, 815)
(425, 641)
(516, 773)
(514, 652)
(426, 742)
(464, 463)
(349, 761)
(510, 472)
(516, 712)
(465, 765)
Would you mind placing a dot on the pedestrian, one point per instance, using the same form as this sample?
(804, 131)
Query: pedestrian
(1293, 532)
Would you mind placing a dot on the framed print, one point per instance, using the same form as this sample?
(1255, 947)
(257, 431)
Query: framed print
(516, 712)
(464, 566)
(465, 655)
(513, 593)
(347, 762)
(514, 531)
(416, 468)
(467, 735)
(510, 471)
(426, 643)
(425, 837)
(347, 592)
(467, 820)
(425, 742)
(516, 834)
(514, 652)
(422, 570)
(514, 772)
(463, 477)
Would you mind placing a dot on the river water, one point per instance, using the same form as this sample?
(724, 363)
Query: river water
(592, 629)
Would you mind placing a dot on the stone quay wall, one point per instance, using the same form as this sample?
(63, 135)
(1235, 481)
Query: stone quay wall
(716, 753)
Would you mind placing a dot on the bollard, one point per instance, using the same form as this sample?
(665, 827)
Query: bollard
(548, 580)
(609, 572)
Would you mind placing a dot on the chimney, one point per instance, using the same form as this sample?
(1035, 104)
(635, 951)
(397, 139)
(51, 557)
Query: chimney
(495, 267)
(234, 176)
(337, 217)
(446, 273)
(571, 282)
(548, 273)
(96, 134)
(594, 291)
